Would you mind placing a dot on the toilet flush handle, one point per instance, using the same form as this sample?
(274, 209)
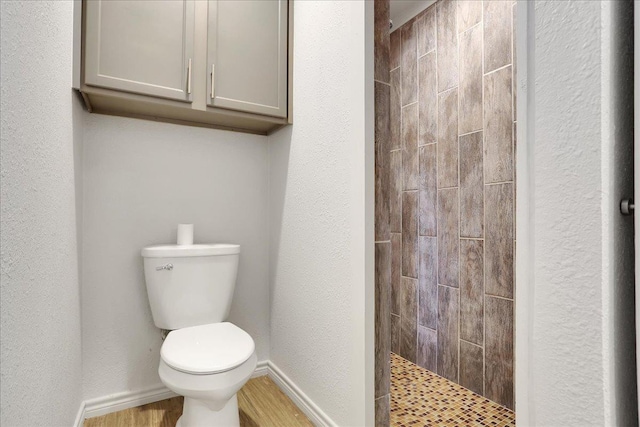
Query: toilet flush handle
(165, 267)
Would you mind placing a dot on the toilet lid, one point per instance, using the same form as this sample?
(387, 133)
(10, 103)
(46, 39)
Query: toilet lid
(207, 349)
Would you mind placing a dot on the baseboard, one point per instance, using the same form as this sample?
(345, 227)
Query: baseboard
(125, 400)
(80, 416)
(301, 400)
(130, 399)
(262, 369)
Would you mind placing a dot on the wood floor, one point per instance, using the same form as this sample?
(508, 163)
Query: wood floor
(261, 403)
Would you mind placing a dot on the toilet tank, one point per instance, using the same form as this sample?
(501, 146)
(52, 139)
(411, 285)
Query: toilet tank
(190, 285)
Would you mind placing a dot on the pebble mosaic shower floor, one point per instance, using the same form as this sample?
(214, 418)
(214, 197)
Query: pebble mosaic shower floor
(422, 398)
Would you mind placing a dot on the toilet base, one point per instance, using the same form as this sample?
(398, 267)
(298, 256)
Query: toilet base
(196, 413)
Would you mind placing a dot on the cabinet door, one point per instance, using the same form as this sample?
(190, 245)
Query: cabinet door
(247, 56)
(144, 47)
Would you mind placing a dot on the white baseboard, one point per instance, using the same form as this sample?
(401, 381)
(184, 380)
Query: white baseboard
(262, 369)
(301, 400)
(125, 400)
(130, 399)
(80, 416)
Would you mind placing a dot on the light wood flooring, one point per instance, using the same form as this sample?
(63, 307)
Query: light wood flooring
(261, 403)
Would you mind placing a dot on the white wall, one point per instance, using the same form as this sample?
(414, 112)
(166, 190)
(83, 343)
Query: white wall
(321, 207)
(401, 11)
(40, 356)
(571, 239)
(141, 179)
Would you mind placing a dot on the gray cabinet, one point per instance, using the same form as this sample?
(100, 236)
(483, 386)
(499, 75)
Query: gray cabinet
(216, 63)
(247, 55)
(143, 47)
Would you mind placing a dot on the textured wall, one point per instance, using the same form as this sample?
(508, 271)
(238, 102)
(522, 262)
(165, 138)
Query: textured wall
(141, 179)
(577, 111)
(40, 356)
(317, 177)
(452, 193)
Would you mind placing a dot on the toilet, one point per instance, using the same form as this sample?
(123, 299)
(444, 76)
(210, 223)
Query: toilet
(203, 358)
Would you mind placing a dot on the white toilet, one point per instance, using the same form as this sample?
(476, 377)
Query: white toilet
(203, 358)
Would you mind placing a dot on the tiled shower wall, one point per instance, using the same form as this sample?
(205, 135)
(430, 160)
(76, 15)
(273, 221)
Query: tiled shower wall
(382, 211)
(451, 220)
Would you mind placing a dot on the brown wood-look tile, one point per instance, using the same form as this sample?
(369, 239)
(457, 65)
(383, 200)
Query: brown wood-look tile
(497, 34)
(448, 237)
(472, 290)
(448, 333)
(382, 317)
(471, 367)
(409, 319)
(428, 190)
(426, 31)
(410, 147)
(428, 99)
(395, 110)
(396, 272)
(427, 348)
(499, 240)
(395, 49)
(447, 41)
(428, 282)
(514, 61)
(498, 155)
(409, 65)
(410, 234)
(515, 182)
(469, 14)
(448, 139)
(381, 41)
(499, 351)
(395, 191)
(471, 186)
(382, 406)
(470, 80)
(381, 161)
(395, 333)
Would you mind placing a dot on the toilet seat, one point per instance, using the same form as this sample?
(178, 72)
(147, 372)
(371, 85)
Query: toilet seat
(207, 349)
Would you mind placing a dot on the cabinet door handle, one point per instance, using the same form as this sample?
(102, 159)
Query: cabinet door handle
(213, 72)
(189, 77)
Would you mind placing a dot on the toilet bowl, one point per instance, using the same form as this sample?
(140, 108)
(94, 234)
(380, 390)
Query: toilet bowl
(203, 358)
(208, 365)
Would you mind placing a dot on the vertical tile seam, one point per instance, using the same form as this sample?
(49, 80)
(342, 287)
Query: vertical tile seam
(400, 290)
(437, 112)
(417, 206)
(484, 216)
(514, 141)
(402, 309)
(459, 185)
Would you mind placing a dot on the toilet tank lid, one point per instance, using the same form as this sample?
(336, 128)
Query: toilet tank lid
(176, 251)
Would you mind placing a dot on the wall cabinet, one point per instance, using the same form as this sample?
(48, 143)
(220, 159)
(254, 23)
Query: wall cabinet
(248, 61)
(217, 63)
